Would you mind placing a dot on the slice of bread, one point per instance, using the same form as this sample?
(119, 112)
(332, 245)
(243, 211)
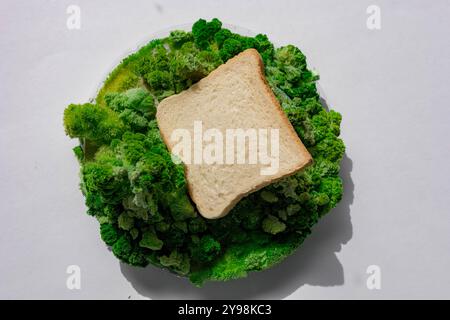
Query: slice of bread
(235, 95)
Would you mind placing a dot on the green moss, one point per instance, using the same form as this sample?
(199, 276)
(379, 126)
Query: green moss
(121, 79)
(139, 195)
(125, 76)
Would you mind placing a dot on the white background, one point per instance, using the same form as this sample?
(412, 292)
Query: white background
(391, 86)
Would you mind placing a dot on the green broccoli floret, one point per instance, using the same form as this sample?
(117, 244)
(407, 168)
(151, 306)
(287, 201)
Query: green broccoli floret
(94, 123)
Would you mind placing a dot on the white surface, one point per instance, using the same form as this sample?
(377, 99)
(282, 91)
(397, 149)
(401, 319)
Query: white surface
(391, 87)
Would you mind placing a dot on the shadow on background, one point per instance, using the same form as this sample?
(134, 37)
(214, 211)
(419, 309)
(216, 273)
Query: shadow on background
(314, 263)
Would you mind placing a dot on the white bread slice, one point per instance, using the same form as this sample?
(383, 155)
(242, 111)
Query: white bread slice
(235, 95)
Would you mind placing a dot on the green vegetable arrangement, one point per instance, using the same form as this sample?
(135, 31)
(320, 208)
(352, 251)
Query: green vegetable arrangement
(139, 196)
